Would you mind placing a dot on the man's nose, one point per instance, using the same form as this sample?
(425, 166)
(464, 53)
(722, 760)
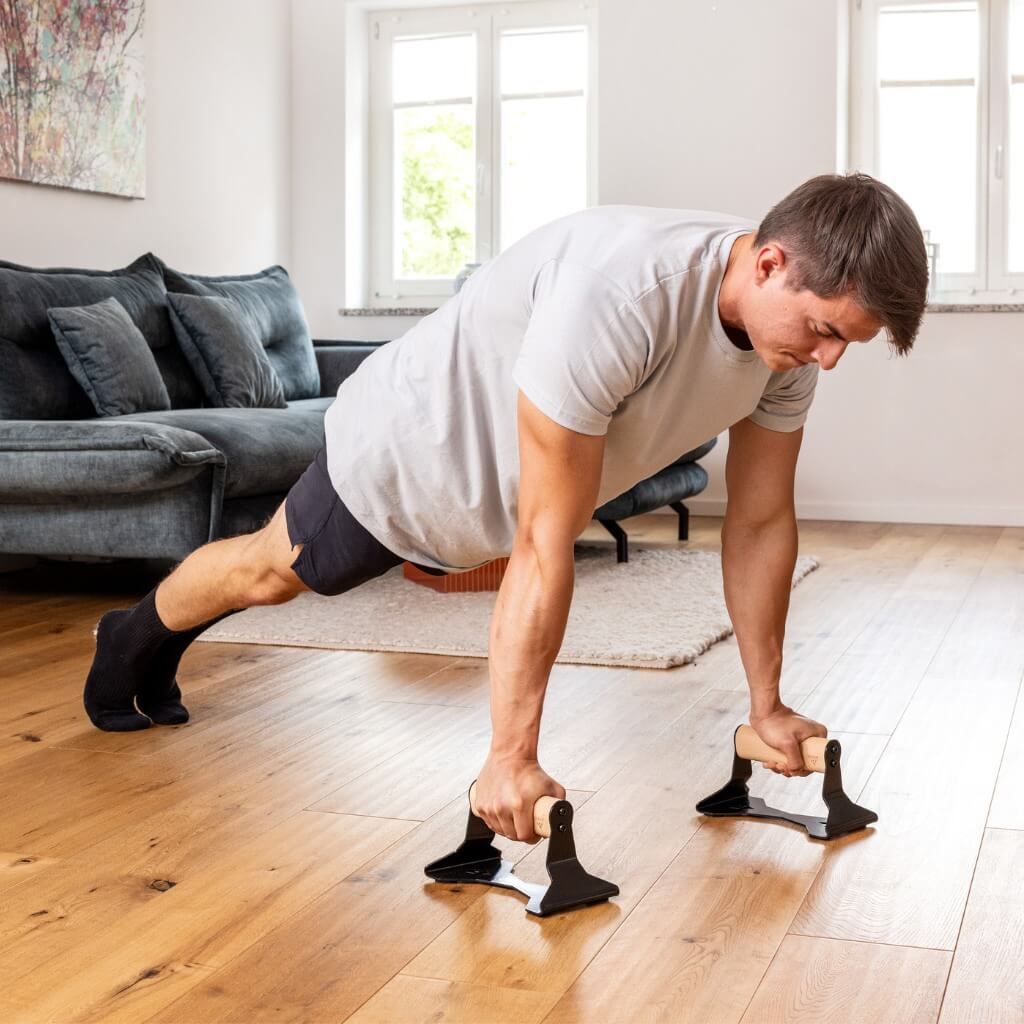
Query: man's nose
(828, 352)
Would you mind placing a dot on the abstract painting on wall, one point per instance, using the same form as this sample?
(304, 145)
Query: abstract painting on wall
(72, 94)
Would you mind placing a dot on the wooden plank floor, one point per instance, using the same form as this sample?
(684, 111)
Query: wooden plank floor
(265, 861)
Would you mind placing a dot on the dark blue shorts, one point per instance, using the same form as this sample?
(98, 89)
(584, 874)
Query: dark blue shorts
(339, 552)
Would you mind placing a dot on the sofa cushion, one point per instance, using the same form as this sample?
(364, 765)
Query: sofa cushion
(71, 461)
(222, 347)
(270, 299)
(267, 450)
(320, 405)
(108, 356)
(35, 383)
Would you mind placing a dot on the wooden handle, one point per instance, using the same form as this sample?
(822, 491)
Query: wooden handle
(541, 812)
(753, 748)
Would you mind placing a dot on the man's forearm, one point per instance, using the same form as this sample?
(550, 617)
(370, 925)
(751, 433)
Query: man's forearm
(757, 567)
(527, 627)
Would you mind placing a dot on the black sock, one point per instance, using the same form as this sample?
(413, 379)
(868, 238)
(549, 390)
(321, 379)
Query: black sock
(159, 696)
(136, 661)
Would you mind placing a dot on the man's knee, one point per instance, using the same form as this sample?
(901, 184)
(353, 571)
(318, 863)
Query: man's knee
(269, 577)
(270, 587)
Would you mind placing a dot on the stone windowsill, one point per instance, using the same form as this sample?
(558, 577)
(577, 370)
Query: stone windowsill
(976, 307)
(938, 307)
(393, 311)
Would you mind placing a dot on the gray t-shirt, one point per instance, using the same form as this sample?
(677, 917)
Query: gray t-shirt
(607, 319)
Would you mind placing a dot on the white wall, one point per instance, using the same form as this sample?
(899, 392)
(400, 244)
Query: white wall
(714, 104)
(318, 207)
(932, 438)
(218, 190)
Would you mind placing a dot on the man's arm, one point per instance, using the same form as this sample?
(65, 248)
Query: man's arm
(759, 548)
(559, 477)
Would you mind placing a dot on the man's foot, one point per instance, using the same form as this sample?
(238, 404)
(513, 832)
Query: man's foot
(134, 669)
(159, 697)
(113, 679)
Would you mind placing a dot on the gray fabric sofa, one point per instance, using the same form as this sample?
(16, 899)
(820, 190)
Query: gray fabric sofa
(150, 484)
(158, 484)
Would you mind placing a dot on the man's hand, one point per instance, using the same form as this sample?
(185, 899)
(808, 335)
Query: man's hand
(506, 790)
(784, 729)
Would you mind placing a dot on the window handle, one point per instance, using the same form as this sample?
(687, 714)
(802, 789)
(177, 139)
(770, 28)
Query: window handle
(480, 180)
(999, 163)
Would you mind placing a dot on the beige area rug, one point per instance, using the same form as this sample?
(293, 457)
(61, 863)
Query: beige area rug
(663, 607)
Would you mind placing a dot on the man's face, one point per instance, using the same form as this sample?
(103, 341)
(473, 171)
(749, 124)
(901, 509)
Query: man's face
(789, 328)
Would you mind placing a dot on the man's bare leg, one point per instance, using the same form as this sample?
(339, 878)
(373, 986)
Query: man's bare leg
(231, 574)
(138, 650)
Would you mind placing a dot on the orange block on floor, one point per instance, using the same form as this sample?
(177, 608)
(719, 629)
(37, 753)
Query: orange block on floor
(483, 577)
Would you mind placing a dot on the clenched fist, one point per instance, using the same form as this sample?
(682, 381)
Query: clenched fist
(784, 730)
(506, 790)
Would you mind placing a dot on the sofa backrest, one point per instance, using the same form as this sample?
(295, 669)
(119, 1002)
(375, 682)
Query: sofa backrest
(34, 380)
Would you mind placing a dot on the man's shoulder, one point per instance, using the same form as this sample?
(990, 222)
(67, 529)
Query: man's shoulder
(641, 247)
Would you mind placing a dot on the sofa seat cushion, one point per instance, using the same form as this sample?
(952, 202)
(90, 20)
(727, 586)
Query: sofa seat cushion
(73, 461)
(320, 405)
(267, 450)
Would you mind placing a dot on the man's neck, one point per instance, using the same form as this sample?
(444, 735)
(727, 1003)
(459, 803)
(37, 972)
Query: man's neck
(728, 294)
(739, 338)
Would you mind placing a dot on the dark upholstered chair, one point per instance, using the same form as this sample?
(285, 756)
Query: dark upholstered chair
(669, 486)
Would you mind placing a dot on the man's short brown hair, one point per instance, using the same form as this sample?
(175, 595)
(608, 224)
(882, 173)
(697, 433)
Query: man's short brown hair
(852, 233)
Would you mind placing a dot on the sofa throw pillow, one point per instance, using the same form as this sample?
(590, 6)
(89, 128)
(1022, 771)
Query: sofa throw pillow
(109, 357)
(273, 304)
(223, 348)
(35, 383)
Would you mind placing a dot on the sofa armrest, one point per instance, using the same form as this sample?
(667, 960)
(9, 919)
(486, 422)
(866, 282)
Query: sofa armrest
(77, 457)
(338, 360)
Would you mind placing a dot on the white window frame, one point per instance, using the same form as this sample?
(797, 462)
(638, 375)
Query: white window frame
(992, 281)
(486, 21)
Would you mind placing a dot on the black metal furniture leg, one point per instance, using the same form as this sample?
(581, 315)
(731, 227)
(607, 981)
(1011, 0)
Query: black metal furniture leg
(621, 540)
(684, 518)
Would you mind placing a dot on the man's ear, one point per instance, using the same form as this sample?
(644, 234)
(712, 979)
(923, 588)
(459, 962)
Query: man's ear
(770, 259)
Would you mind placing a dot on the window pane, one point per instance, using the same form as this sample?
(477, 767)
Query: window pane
(1015, 179)
(927, 135)
(543, 61)
(928, 153)
(1017, 37)
(435, 190)
(1015, 149)
(928, 41)
(543, 162)
(443, 68)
